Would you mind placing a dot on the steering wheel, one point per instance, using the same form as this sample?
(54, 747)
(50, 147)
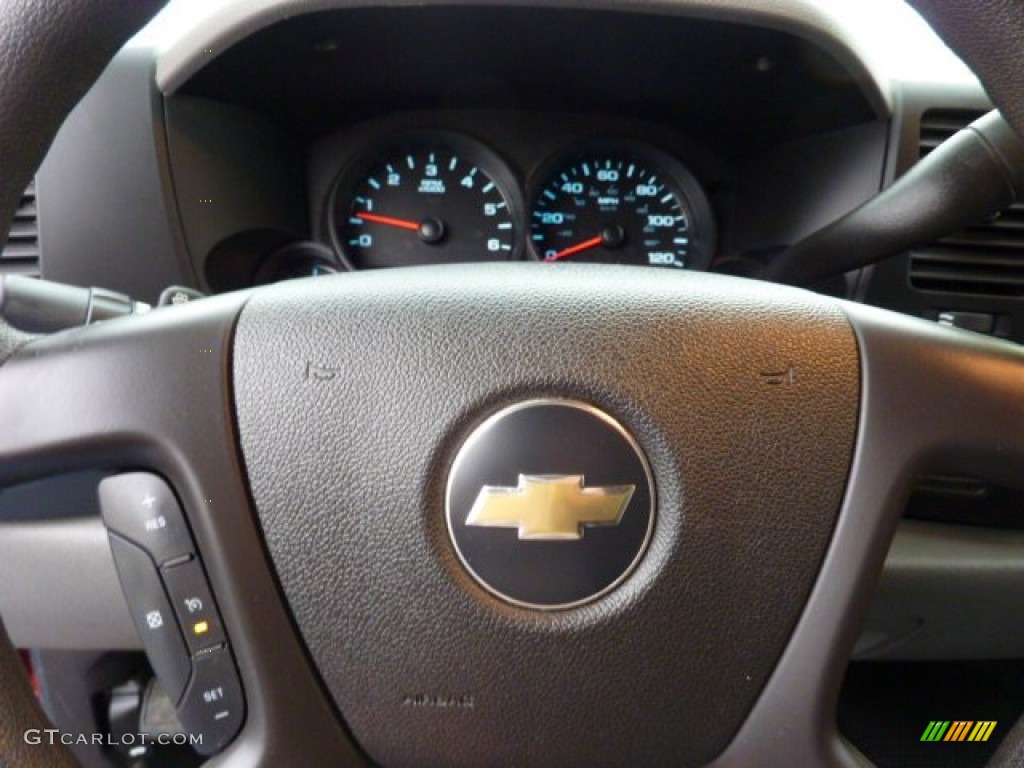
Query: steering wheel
(510, 513)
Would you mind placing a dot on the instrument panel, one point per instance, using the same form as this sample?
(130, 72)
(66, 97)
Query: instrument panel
(436, 195)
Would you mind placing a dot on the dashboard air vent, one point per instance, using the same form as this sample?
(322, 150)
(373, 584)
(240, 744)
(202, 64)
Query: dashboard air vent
(987, 259)
(937, 125)
(21, 252)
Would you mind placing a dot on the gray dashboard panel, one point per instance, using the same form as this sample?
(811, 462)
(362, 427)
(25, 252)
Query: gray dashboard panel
(58, 588)
(838, 171)
(948, 592)
(233, 171)
(106, 213)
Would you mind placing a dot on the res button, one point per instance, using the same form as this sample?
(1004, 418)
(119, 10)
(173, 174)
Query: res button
(142, 508)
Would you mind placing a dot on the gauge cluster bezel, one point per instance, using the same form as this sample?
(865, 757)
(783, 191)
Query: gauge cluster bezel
(517, 150)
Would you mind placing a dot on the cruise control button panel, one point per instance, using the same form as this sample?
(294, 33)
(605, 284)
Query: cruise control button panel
(173, 607)
(142, 508)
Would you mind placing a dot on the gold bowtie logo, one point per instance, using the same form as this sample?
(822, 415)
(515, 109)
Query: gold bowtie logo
(549, 507)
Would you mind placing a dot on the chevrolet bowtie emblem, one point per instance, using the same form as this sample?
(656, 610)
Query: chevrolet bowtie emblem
(550, 507)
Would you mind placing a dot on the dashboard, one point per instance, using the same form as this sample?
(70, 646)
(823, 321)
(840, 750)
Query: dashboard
(316, 139)
(493, 185)
(676, 138)
(685, 143)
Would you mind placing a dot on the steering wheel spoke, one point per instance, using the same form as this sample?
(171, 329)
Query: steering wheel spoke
(153, 394)
(934, 400)
(112, 394)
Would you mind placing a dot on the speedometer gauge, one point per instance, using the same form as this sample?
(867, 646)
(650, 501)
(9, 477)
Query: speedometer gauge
(621, 206)
(426, 200)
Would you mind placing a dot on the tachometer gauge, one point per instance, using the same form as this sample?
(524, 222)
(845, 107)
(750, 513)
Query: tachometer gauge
(622, 206)
(426, 200)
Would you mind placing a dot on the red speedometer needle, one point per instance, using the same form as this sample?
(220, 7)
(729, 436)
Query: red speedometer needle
(389, 221)
(584, 246)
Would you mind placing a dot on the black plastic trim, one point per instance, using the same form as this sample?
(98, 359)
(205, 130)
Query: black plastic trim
(948, 592)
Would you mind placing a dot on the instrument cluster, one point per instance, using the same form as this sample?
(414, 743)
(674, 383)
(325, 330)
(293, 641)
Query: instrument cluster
(436, 196)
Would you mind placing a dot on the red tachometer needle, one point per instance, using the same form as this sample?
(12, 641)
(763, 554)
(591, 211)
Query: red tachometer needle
(585, 245)
(400, 223)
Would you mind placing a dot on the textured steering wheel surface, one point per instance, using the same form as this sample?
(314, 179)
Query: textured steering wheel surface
(51, 52)
(764, 411)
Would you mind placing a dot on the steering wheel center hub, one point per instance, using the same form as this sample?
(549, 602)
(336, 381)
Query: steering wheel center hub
(550, 504)
(372, 475)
